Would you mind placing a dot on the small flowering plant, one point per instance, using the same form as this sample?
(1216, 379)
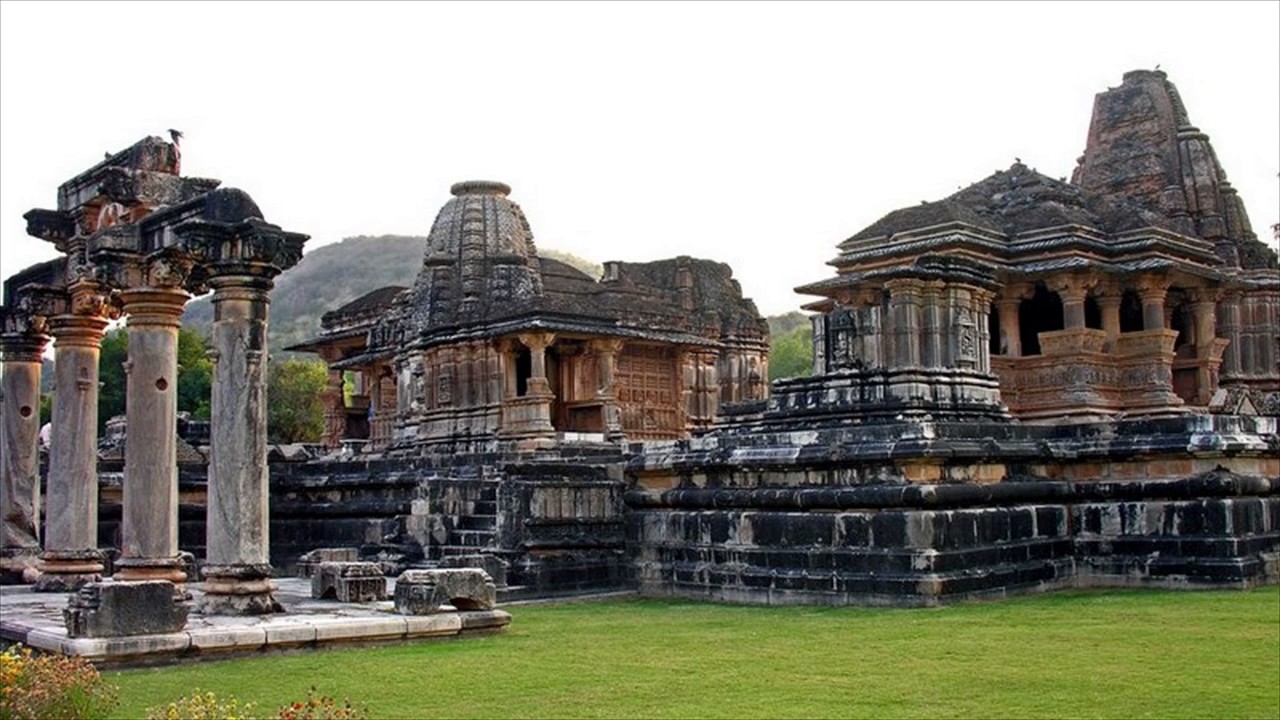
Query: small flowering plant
(203, 706)
(321, 707)
(208, 706)
(36, 687)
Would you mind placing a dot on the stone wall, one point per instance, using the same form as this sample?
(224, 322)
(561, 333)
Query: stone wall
(554, 518)
(855, 516)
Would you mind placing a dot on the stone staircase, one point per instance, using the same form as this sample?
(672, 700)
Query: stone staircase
(473, 526)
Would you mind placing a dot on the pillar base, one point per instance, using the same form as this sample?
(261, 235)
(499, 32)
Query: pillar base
(238, 590)
(19, 565)
(68, 570)
(138, 569)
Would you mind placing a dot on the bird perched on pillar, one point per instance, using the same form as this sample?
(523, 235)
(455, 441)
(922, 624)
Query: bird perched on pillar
(176, 135)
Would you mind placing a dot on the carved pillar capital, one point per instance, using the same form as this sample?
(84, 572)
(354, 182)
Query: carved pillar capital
(1017, 291)
(1151, 288)
(854, 298)
(1206, 295)
(1072, 288)
(23, 336)
(607, 346)
(536, 342)
(154, 306)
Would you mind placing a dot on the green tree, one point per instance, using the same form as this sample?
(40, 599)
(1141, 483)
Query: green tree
(195, 375)
(111, 376)
(295, 404)
(791, 354)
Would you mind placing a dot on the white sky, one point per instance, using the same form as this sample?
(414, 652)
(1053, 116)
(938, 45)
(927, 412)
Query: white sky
(757, 134)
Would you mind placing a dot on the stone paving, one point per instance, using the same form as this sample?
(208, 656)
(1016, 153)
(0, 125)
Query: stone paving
(35, 619)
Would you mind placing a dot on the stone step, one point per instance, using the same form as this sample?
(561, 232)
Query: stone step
(477, 522)
(470, 538)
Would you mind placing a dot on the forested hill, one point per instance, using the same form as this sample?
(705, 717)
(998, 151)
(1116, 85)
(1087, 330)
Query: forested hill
(333, 275)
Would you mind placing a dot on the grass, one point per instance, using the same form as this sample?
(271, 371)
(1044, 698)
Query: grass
(1112, 654)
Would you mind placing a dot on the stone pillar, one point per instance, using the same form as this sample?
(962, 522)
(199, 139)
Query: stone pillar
(1232, 366)
(20, 352)
(981, 315)
(1072, 292)
(1109, 303)
(1204, 322)
(1153, 293)
(150, 525)
(538, 344)
(335, 409)
(904, 310)
(507, 364)
(71, 558)
(606, 358)
(238, 570)
(1010, 333)
(932, 344)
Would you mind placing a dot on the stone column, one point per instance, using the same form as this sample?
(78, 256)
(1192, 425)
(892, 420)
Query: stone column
(981, 316)
(1231, 330)
(1109, 303)
(932, 350)
(1152, 292)
(150, 525)
(21, 350)
(507, 367)
(238, 571)
(1010, 333)
(1208, 348)
(1204, 310)
(606, 358)
(71, 558)
(538, 344)
(904, 307)
(1072, 292)
(335, 409)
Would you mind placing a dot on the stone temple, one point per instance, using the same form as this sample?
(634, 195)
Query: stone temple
(494, 347)
(1031, 384)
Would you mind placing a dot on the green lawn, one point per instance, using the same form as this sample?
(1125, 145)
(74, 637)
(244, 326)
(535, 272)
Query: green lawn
(1114, 654)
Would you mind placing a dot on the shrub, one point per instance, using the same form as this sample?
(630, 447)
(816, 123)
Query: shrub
(36, 687)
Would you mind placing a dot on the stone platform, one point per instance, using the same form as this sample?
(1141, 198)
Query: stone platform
(35, 619)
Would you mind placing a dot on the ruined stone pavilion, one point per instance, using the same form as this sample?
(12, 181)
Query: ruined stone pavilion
(137, 241)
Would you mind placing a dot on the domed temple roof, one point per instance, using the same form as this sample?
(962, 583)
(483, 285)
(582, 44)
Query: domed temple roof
(481, 275)
(1148, 190)
(480, 262)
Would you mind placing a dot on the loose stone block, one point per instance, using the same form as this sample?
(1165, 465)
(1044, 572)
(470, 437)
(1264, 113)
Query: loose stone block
(308, 562)
(421, 592)
(349, 582)
(495, 566)
(118, 609)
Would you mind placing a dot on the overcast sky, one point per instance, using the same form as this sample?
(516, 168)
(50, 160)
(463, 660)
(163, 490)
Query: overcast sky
(757, 134)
